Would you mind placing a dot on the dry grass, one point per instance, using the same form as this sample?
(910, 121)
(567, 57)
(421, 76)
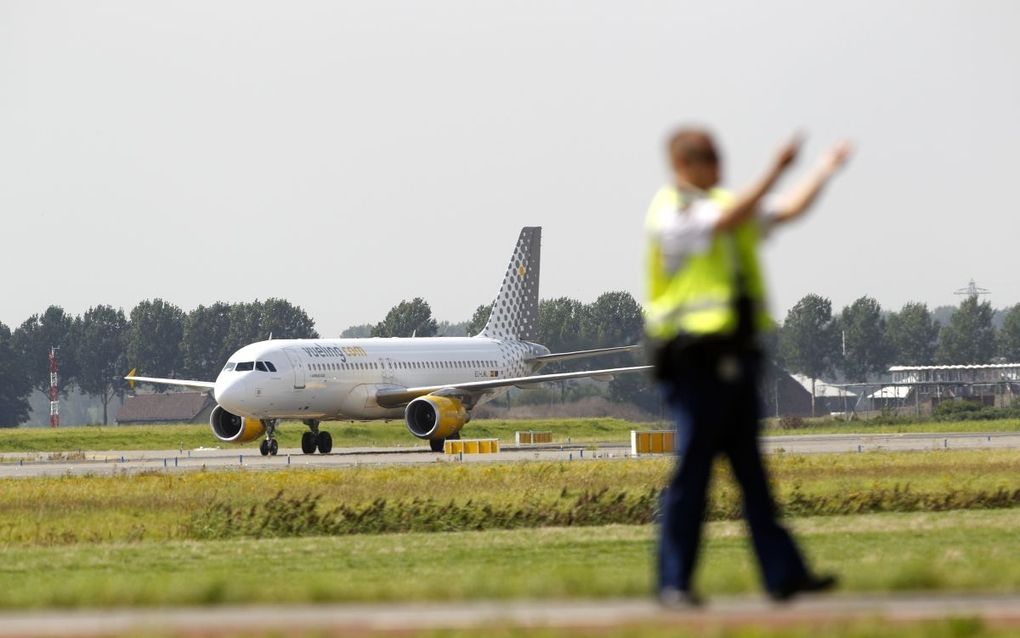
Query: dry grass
(72, 510)
(878, 552)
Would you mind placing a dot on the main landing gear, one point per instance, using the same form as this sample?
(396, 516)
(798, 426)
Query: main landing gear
(314, 439)
(438, 445)
(269, 446)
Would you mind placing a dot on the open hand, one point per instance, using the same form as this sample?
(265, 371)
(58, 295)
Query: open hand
(788, 152)
(837, 156)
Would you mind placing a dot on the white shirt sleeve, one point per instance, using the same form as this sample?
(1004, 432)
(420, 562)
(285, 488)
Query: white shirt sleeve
(767, 214)
(682, 233)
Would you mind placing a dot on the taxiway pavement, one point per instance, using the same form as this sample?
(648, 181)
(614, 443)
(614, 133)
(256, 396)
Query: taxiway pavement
(22, 464)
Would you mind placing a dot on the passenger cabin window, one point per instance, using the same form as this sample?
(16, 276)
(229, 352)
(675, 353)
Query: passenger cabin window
(245, 366)
(259, 365)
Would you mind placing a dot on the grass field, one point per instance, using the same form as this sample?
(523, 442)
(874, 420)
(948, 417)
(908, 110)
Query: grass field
(967, 550)
(932, 520)
(394, 433)
(157, 506)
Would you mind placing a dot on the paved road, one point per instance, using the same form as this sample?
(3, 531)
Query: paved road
(115, 462)
(402, 618)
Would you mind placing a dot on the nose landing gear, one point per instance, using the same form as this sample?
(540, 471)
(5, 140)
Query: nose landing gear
(269, 446)
(314, 439)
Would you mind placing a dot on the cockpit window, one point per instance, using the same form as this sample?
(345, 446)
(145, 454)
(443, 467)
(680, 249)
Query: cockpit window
(245, 365)
(259, 365)
(229, 366)
(269, 364)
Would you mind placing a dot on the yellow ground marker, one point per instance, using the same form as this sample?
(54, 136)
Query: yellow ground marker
(528, 438)
(652, 442)
(471, 446)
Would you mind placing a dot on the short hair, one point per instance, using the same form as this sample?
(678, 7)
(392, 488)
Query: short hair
(687, 143)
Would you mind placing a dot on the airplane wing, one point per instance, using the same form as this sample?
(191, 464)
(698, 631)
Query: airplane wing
(582, 354)
(396, 397)
(202, 385)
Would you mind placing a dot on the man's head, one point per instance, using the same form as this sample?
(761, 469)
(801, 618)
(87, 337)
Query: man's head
(694, 158)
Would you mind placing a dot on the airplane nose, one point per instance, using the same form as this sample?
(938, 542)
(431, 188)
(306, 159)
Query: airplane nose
(231, 393)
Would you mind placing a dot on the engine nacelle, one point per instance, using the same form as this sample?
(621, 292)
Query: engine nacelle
(434, 417)
(231, 428)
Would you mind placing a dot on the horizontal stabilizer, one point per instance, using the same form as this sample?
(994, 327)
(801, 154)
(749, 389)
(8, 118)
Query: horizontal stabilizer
(584, 354)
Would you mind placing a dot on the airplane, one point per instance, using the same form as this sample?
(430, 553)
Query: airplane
(433, 383)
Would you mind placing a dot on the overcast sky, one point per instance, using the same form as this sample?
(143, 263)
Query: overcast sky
(348, 155)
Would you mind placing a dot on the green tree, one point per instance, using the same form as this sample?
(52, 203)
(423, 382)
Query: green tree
(913, 335)
(358, 331)
(969, 337)
(1009, 335)
(284, 320)
(245, 325)
(447, 329)
(153, 339)
(808, 339)
(15, 385)
(863, 331)
(99, 350)
(205, 344)
(479, 319)
(32, 342)
(260, 320)
(614, 319)
(407, 318)
(559, 324)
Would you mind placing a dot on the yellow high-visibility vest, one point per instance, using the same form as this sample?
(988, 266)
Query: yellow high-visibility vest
(699, 297)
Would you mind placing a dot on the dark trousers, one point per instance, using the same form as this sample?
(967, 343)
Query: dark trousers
(714, 403)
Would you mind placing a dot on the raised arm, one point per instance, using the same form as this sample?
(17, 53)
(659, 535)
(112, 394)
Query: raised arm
(746, 202)
(794, 203)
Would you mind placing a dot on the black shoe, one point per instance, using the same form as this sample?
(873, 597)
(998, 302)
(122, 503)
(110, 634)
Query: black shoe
(679, 599)
(810, 583)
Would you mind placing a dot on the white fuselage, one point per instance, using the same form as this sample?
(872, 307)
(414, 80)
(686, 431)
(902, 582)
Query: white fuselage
(332, 379)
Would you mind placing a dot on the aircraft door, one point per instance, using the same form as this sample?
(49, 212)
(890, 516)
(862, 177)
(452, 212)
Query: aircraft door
(297, 366)
(387, 371)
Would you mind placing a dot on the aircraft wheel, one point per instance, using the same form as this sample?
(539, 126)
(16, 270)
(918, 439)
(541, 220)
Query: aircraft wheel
(274, 447)
(437, 445)
(308, 443)
(264, 447)
(324, 442)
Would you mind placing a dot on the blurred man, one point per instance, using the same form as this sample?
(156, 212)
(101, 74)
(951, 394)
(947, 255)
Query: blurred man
(705, 312)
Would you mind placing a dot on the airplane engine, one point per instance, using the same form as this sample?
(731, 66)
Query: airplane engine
(434, 417)
(231, 428)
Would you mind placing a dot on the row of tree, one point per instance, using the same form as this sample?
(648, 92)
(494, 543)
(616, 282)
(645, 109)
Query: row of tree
(862, 341)
(159, 339)
(97, 348)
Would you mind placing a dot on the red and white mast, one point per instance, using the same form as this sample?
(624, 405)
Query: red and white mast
(54, 390)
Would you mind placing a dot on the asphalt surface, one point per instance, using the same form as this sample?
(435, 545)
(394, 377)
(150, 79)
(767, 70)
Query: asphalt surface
(21, 464)
(580, 615)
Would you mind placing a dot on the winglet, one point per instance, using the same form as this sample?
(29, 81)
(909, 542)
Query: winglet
(131, 381)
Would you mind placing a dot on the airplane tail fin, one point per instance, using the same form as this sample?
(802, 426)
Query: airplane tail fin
(515, 311)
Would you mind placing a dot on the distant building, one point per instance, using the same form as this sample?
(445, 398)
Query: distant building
(785, 394)
(888, 397)
(828, 398)
(994, 384)
(170, 407)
